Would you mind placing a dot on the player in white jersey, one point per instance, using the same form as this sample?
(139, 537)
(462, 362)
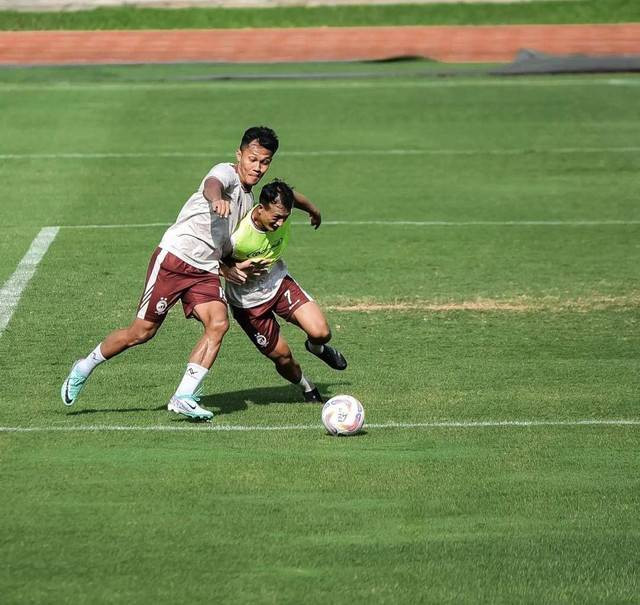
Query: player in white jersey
(186, 266)
(262, 237)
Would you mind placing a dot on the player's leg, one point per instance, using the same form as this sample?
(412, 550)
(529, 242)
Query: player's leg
(297, 307)
(139, 332)
(214, 319)
(204, 302)
(310, 318)
(157, 298)
(290, 370)
(261, 326)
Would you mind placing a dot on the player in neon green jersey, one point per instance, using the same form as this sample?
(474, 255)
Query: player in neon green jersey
(262, 236)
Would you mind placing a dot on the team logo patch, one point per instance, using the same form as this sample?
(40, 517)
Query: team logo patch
(261, 339)
(161, 306)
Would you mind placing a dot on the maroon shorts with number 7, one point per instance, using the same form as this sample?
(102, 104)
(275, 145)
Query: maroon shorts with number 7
(260, 323)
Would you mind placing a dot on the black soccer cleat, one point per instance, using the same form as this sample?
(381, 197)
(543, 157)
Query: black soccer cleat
(332, 357)
(313, 396)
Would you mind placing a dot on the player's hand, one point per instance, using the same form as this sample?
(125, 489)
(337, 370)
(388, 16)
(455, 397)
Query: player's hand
(315, 218)
(253, 267)
(233, 274)
(221, 207)
(238, 273)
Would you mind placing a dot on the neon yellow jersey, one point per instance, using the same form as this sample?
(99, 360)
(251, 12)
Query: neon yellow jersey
(249, 242)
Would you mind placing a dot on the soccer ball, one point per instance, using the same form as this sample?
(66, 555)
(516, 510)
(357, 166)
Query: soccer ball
(343, 415)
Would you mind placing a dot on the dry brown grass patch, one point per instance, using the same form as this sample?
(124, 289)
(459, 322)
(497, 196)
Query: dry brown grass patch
(522, 304)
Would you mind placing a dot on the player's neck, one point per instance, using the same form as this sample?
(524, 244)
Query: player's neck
(246, 188)
(255, 223)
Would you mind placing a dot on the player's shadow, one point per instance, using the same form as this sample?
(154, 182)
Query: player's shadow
(231, 401)
(118, 410)
(236, 401)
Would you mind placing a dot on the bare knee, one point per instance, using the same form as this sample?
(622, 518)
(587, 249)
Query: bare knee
(319, 333)
(139, 334)
(217, 327)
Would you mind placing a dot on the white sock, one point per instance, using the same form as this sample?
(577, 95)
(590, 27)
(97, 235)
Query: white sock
(88, 364)
(191, 380)
(317, 349)
(306, 385)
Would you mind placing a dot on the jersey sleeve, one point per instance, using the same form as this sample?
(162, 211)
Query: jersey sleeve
(223, 173)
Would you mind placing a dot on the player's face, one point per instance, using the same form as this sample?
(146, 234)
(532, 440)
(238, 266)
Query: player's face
(271, 217)
(253, 161)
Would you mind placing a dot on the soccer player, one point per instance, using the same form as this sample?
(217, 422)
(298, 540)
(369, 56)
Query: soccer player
(262, 237)
(186, 267)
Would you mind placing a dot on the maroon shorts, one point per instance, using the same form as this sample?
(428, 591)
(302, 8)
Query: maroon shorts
(170, 279)
(260, 323)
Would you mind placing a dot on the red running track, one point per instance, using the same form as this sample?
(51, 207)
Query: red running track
(491, 44)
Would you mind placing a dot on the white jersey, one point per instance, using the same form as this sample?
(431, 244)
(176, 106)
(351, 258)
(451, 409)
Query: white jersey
(200, 237)
(257, 290)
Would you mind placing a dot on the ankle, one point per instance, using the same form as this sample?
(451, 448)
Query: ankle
(315, 348)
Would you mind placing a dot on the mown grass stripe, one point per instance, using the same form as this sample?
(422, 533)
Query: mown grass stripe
(320, 153)
(394, 82)
(390, 223)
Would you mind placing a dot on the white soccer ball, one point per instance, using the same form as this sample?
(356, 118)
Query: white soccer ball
(343, 415)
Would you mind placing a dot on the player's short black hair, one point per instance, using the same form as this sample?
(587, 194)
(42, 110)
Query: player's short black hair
(279, 191)
(264, 135)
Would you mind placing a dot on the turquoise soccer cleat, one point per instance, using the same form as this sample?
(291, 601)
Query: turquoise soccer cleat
(72, 386)
(187, 405)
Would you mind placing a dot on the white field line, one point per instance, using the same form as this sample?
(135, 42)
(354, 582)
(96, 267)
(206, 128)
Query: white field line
(409, 81)
(320, 153)
(314, 427)
(13, 288)
(489, 223)
(575, 223)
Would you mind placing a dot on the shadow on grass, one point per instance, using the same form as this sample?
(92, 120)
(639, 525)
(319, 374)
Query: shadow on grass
(231, 401)
(236, 401)
(360, 433)
(114, 410)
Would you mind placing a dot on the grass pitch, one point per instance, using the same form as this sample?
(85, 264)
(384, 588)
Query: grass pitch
(478, 263)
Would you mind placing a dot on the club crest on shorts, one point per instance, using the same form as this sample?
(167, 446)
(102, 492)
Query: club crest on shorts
(261, 339)
(161, 306)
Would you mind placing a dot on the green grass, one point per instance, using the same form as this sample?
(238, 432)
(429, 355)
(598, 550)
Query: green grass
(552, 11)
(202, 72)
(494, 514)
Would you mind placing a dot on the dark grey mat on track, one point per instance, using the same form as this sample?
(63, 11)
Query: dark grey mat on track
(527, 62)
(532, 62)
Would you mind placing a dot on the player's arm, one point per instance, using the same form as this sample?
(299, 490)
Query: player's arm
(237, 272)
(302, 202)
(212, 192)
